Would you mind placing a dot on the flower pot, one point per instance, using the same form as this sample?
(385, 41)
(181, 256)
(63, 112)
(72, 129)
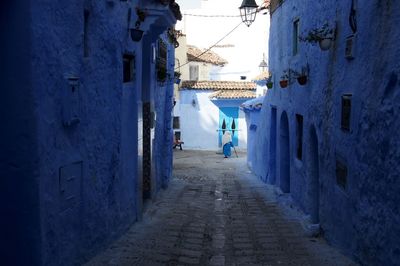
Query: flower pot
(177, 81)
(302, 80)
(325, 44)
(136, 35)
(284, 83)
(270, 85)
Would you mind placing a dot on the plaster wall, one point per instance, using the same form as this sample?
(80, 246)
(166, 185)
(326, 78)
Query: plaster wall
(199, 123)
(70, 159)
(361, 219)
(87, 169)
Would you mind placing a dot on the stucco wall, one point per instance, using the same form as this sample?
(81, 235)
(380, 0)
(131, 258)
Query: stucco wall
(71, 155)
(363, 218)
(84, 167)
(199, 123)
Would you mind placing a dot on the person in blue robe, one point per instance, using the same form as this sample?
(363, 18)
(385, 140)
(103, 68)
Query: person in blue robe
(227, 144)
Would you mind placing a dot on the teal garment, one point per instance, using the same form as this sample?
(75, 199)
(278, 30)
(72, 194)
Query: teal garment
(227, 149)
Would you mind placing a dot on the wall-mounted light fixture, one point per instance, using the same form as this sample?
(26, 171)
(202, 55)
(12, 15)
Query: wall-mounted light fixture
(263, 65)
(136, 32)
(248, 11)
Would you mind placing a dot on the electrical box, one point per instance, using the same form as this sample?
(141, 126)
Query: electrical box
(71, 103)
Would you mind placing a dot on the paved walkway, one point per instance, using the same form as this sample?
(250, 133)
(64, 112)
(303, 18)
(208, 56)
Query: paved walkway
(216, 213)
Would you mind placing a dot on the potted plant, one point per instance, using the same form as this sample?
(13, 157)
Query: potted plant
(324, 36)
(269, 83)
(177, 77)
(302, 79)
(284, 82)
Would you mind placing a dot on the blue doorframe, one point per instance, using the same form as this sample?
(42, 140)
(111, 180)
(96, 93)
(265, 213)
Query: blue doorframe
(229, 120)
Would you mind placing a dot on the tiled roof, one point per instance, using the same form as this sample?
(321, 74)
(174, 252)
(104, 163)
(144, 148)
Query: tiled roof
(208, 57)
(263, 76)
(217, 85)
(233, 94)
(254, 104)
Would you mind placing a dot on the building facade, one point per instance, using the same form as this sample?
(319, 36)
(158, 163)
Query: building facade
(330, 139)
(87, 123)
(206, 109)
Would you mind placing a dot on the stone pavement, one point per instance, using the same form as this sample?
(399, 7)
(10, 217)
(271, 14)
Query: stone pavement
(216, 213)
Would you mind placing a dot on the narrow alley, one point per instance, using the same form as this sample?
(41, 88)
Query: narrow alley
(215, 212)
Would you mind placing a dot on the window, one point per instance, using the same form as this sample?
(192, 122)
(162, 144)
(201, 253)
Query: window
(162, 61)
(295, 37)
(128, 68)
(346, 112)
(194, 72)
(299, 136)
(341, 174)
(85, 33)
(176, 123)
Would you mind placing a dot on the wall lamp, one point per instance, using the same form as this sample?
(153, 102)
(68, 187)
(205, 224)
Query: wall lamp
(136, 33)
(249, 10)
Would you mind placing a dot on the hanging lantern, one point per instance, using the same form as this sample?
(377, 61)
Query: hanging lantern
(248, 11)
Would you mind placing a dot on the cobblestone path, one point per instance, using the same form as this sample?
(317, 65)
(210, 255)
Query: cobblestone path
(216, 213)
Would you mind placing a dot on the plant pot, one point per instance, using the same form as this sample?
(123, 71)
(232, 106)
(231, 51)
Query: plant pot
(270, 85)
(302, 80)
(136, 35)
(284, 83)
(177, 81)
(325, 44)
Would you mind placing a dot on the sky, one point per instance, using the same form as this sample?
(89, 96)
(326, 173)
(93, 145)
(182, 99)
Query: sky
(188, 4)
(250, 43)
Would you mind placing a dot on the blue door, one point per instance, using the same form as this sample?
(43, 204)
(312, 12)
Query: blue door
(228, 120)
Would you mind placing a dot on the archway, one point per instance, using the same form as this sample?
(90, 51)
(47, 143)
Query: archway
(284, 151)
(314, 176)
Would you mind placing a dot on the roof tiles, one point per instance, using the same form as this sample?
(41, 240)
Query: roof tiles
(196, 54)
(217, 85)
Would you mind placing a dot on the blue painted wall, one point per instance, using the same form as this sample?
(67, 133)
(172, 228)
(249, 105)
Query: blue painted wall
(71, 128)
(361, 219)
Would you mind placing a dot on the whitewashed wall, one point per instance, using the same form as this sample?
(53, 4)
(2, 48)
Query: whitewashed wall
(199, 123)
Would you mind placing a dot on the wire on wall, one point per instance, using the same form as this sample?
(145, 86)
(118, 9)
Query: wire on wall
(226, 35)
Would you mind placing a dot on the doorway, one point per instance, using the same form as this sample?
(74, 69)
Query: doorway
(229, 121)
(314, 176)
(272, 148)
(284, 151)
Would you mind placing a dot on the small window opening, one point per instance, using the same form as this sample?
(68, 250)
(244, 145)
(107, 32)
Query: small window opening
(176, 123)
(295, 37)
(85, 33)
(299, 136)
(162, 61)
(341, 174)
(194, 72)
(128, 68)
(346, 112)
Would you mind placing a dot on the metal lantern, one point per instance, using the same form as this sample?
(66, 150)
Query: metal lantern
(248, 11)
(263, 64)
